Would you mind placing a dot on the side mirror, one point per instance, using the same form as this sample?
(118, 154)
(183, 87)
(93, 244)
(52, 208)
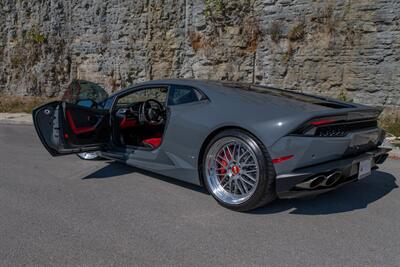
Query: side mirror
(88, 103)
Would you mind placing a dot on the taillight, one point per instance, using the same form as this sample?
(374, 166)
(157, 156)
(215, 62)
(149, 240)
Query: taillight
(282, 159)
(310, 127)
(333, 126)
(322, 122)
(339, 125)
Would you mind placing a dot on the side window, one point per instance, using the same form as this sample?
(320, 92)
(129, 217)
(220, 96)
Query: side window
(183, 94)
(80, 91)
(158, 93)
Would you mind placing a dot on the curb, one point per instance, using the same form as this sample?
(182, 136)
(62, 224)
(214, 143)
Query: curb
(15, 122)
(394, 154)
(16, 118)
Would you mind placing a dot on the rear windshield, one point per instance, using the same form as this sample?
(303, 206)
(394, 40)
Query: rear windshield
(287, 94)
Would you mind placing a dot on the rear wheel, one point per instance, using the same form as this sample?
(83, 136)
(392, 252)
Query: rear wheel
(238, 171)
(89, 156)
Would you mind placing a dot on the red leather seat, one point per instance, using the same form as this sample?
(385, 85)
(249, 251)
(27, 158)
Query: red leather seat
(127, 123)
(152, 142)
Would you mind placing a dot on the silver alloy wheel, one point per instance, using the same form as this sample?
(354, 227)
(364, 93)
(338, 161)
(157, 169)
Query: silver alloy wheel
(88, 155)
(232, 170)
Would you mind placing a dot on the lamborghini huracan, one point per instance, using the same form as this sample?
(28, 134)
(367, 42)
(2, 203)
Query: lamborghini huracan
(247, 144)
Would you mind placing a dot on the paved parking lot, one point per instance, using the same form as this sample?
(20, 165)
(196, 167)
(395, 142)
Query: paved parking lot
(67, 212)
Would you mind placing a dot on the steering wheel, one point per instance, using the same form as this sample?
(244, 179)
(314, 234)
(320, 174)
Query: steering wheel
(152, 112)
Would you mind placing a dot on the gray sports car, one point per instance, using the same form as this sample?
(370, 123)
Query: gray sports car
(247, 144)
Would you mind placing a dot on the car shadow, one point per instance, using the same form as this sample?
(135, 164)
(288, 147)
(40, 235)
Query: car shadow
(347, 198)
(114, 169)
(350, 197)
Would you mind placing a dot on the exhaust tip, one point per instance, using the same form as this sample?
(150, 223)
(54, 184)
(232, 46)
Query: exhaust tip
(312, 183)
(317, 181)
(332, 178)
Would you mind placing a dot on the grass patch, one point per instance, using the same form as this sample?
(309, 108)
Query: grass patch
(391, 125)
(35, 36)
(297, 33)
(342, 96)
(23, 104)
(275, 31)
(196, 39)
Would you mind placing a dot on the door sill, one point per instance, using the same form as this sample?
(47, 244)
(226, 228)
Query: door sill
(113, 155)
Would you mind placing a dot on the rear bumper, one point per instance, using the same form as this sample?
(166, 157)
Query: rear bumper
(286, 183)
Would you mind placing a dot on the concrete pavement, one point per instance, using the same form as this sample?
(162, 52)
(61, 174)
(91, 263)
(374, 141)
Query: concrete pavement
(68, 212)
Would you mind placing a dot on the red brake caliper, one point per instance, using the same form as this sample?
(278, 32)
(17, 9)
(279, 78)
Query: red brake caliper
(223, 166)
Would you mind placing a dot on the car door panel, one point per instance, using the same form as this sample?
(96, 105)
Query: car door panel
(44, 118)
(66, 128)
(85, 126)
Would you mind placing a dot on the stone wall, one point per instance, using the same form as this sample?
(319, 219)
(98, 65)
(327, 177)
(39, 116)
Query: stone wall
(348, 49)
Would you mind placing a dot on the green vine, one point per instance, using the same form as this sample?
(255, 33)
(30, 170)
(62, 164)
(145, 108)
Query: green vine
(35, 36)
(343, 96)
(211, 5)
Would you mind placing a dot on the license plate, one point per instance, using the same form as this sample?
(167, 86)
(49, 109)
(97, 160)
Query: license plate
(364, 168)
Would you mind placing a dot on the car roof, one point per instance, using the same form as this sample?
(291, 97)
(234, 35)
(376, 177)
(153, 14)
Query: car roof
(222, 89)
(205, 85)
(210, 86)
(187, 82)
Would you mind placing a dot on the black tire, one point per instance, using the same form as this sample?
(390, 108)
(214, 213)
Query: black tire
(265, 191)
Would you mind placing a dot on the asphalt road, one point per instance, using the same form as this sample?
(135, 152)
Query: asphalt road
(68, 212)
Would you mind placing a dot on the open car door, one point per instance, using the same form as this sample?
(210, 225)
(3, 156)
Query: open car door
(75, 124)
(66, 128)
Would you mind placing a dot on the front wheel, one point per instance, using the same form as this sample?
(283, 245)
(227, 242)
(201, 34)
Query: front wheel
(89, 156)
(238, 171)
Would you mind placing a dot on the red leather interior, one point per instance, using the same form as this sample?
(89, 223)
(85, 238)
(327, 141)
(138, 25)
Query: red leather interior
(153, 142)
(157, 135)
(76, 130)
(126, 123)
(155, 139)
